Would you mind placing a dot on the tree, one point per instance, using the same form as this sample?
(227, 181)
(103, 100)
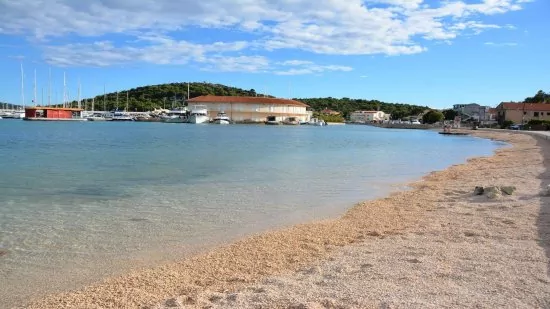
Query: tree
(540, 97)
(433, 116)
(450, 114)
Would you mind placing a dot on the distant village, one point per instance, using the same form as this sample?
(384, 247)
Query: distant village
(505, 114)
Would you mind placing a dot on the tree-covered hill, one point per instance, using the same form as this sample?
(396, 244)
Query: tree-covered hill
(161, 96)
(168, 95)
(347, 106)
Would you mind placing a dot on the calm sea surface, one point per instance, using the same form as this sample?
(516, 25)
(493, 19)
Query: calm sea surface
(79, 201)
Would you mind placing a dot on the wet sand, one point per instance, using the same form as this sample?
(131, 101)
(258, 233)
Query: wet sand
(436, 246)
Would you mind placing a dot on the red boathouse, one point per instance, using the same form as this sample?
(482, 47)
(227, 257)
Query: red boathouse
(53, 114)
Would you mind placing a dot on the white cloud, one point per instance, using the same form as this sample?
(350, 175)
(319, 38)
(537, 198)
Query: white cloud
(509, 44)
(155, 28)
(307, 67)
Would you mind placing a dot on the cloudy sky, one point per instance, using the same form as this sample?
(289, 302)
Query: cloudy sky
(435, 53)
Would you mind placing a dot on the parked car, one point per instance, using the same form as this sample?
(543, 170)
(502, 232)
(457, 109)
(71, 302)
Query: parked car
(415, 122)
(516, 127)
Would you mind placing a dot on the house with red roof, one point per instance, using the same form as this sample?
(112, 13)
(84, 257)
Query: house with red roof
(369, 116)
(522, 112)
(328, 111)
(253, 109)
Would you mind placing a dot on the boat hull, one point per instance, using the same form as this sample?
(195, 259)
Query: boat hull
(272, 123)
(54, 119)
(175, 120)
(198, 119)
(221, 121)
(98, 119)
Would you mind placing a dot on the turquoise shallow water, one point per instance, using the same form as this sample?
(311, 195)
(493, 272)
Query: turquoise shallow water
(79, 201)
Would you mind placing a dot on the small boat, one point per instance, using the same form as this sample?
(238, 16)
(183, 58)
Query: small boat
(8, 115)
(99, 117)
(272, 120)
(199, 114)
(121, 116)
(19, 115)
(317, 122)
(222, 118)
(453, 133)
(291, 121)
(178, 115)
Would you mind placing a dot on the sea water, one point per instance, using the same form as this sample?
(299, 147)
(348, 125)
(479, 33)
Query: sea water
(80, 201)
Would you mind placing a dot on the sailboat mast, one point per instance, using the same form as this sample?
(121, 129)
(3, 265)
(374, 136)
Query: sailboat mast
(22, 86)
(49, 86)
(127, 94)
(34, 90)
(188, 93)
(104, 101)
(64, 90)
(79, 104)
(93, 103)
(117, 100)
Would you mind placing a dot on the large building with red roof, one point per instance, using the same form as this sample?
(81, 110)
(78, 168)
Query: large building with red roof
(252, 109)
(522, 112)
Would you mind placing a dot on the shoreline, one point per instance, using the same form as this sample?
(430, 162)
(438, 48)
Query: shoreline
(207, 278)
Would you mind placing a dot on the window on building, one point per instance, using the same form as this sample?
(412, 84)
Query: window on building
(547, 113)
(525, 113)
(536, 114)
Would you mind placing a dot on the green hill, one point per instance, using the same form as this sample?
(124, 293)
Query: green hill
(347, 106)
(167, 95)
(162, 96)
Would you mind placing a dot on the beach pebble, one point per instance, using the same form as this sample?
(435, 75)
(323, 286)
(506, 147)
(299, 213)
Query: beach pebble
(492, 192)
(232, 297)
(172, 303)
(509, 190)
(545, 191)
(306, 306)
(478, 191)
(3, 252)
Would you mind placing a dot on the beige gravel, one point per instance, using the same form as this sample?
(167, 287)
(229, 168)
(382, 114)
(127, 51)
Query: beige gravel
(436, 246)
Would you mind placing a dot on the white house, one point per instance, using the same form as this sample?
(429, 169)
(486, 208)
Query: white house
(253, 109)
(369, 116)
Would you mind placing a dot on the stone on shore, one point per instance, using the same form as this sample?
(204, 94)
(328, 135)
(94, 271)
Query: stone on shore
(479, 191)
(509, 190)
(492, 192)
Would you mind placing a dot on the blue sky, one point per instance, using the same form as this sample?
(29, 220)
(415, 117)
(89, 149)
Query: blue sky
(435, 53)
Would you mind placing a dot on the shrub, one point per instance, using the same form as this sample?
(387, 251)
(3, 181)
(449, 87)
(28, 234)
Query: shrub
(433, 116)
(506, 123)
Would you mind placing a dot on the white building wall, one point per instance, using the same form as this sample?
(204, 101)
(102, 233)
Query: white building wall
(256, 112)
(363, 116)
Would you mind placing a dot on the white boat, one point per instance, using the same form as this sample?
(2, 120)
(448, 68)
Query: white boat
(178, 115)
(317, 122)
(19, 115)
(291, 121)
(99, 117)
(122, 116)
(222, 118)
(272, 120)
(199, 114)
(13, 115)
